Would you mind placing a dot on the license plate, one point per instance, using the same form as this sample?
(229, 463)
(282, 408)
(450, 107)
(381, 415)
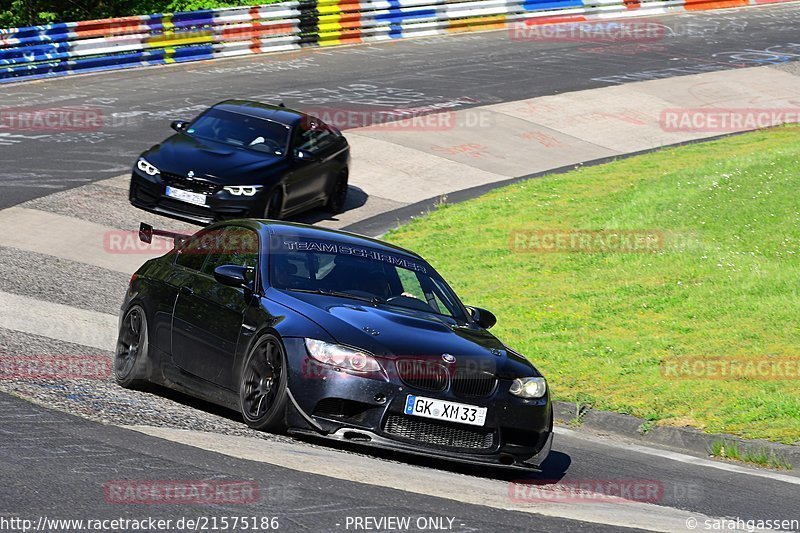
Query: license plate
(186, 196)
(444, 410)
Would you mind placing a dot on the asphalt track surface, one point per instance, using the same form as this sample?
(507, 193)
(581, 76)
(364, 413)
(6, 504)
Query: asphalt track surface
(61, 466)
(56, 464)
(456, 71)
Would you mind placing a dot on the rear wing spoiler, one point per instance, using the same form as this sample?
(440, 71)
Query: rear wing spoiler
(146, 233)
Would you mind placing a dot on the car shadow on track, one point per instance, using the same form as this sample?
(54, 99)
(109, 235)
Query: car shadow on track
(553, 469)
(356, 198)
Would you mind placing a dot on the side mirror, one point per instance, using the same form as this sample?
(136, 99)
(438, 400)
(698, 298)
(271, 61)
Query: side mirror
(303, 155)
(482, 317)
(231, 275)
(179, 125)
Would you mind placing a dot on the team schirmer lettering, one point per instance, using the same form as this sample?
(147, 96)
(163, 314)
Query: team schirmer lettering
(342, 249)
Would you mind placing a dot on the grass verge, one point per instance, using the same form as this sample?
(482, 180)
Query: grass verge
(722, 449)
(605, 325)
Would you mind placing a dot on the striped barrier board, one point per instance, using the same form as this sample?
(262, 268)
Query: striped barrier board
(86, 46)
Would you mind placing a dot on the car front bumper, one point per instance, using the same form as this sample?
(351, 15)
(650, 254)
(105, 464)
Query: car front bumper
(341, 406)
(149, 193)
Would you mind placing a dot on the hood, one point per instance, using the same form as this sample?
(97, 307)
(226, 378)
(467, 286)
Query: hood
(222, 163)
(394, 332)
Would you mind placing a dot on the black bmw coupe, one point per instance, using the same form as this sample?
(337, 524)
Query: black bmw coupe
(243, 159)
(321, 332)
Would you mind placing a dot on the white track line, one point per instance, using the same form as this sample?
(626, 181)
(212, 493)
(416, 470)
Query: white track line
(68, 238)
(418, 480)
(57, 321)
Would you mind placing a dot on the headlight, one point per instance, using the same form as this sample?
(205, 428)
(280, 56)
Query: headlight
(342, 357)
(246, 190)
(146, 167)
(528, 387)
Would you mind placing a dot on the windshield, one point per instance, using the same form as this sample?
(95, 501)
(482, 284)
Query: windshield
(252, 133)
(361, 273)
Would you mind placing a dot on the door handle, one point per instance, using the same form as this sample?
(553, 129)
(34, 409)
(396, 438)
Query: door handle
(187, 290)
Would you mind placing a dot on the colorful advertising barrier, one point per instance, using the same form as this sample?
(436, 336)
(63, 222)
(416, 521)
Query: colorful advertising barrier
(76, 47)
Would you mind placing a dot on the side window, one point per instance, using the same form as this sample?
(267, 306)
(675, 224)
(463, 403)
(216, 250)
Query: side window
(438, 297)
(312, 136)
(193, 253)
(232, 245)
(410, 283)
(325, 137)
(427, 290)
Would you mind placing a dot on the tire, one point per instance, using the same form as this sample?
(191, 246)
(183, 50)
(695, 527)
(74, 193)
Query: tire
(338, 197)
(131, 358)
(263, 395)
(274, 206)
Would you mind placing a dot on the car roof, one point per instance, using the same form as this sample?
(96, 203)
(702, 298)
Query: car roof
(276, 113)
(305, 231)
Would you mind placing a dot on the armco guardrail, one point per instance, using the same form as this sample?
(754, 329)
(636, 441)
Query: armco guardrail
(75, 47)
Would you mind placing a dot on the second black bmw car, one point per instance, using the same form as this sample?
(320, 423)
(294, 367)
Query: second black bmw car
(327, 333)
(243, 159)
